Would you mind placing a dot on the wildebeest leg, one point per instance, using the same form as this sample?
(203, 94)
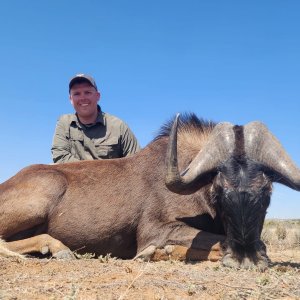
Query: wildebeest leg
(44, 244)
(26, 202)
(179, 241)
(5, 252)
(178, 252)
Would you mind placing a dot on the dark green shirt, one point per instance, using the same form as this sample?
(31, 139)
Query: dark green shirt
(109, 137)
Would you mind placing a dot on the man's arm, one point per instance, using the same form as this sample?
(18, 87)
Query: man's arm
(129, 142)
(61, 149)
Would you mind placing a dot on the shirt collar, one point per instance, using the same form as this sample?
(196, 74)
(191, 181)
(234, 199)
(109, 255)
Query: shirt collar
(100, 116)
(99, 119)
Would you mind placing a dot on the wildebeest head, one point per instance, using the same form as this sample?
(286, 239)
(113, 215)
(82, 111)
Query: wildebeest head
(242, 162)
(241, 193)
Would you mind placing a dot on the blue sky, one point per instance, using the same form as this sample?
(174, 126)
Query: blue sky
(235, 61)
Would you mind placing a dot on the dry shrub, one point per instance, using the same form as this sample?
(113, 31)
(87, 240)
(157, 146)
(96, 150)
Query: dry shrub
(267, 236)
(281, 234)
(297, 239)
(281, 231)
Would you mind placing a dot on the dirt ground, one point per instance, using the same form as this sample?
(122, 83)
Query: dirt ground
(108, 278)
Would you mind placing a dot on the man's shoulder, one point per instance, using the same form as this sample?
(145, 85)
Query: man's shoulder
(67, 119)
(113, 119)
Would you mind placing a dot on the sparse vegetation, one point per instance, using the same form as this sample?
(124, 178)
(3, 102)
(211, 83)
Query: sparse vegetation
(106, 258)
(85, 255)
(104, 277)
(281, 234)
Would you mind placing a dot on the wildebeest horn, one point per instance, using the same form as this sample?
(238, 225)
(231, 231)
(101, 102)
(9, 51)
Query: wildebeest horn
(262, 147)
(217, 149)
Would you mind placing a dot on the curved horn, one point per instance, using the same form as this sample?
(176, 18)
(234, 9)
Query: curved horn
(263, 147)
(217, 149)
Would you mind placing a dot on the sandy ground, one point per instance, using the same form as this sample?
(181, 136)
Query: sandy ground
(116, 279)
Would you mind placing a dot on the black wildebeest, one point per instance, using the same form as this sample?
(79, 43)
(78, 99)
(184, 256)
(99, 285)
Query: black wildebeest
(216, 190)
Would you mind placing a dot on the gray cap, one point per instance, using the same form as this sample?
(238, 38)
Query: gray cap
(79, 78)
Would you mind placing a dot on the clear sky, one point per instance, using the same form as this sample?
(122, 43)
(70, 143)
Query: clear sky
(235, 61)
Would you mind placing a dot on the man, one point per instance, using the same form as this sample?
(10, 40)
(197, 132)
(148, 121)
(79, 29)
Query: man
(90, 133)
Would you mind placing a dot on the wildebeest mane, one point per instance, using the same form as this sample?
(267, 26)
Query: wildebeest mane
(187, 122)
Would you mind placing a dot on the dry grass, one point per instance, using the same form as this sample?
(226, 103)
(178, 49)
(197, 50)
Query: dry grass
(109, 278)
(281, 234)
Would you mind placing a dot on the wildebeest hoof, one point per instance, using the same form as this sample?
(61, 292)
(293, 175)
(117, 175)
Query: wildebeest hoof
(45, 250)
(169, 249)
(146, 254)
(64, 254)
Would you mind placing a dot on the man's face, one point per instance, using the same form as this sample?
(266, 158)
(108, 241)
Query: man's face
(84, 99)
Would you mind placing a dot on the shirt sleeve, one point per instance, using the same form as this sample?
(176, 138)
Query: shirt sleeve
(129, 143)
(61, 150)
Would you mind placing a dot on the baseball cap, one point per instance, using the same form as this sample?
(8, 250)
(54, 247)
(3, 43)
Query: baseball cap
(78, 78)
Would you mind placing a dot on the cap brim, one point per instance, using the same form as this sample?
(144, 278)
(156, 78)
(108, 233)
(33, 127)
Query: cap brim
(81, 79)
